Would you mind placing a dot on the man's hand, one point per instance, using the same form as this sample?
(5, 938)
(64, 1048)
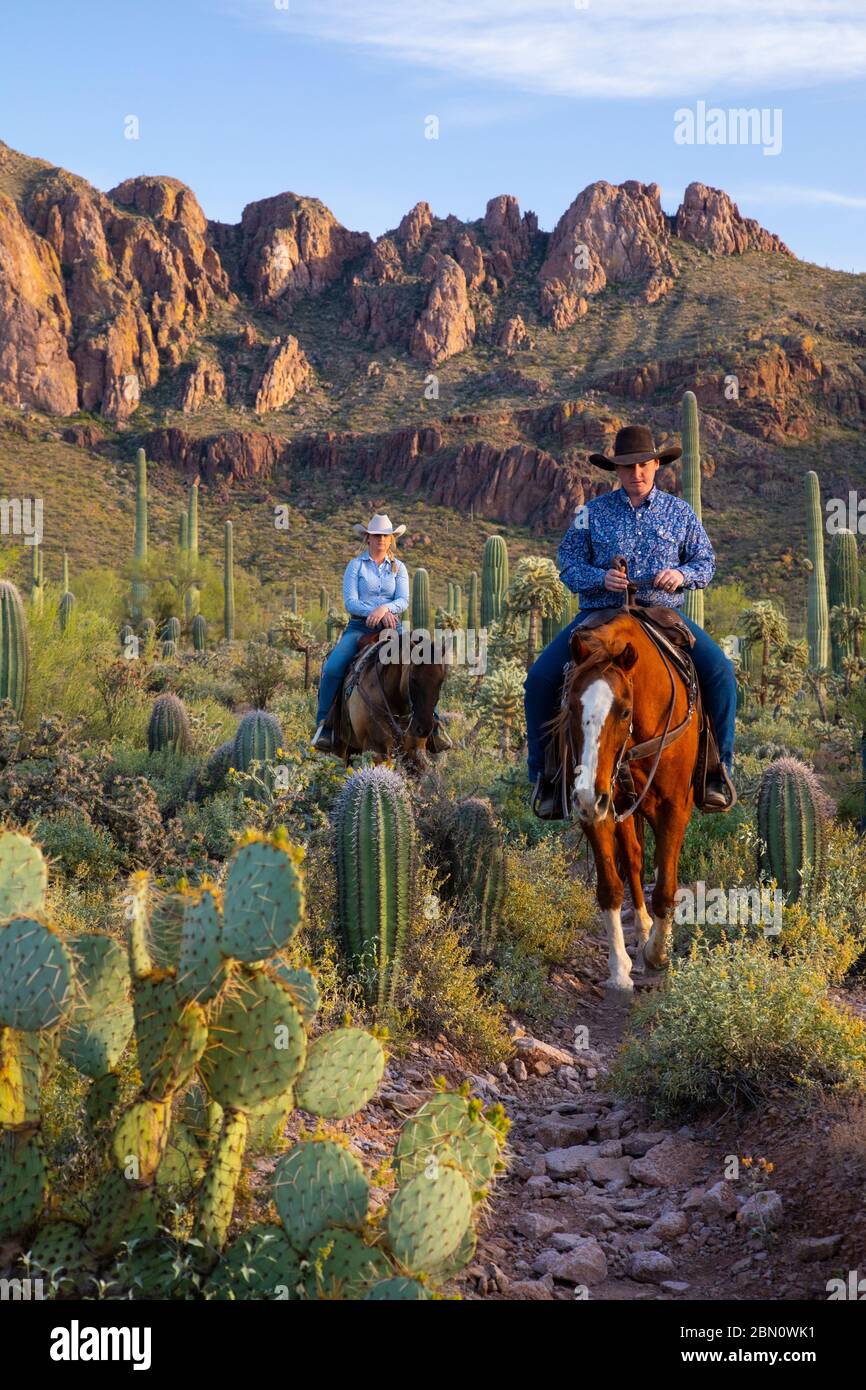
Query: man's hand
(616, 581)
(669, 580)
(383, 615)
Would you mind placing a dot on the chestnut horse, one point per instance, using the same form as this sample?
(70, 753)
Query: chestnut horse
(620, 693)
(390, 708)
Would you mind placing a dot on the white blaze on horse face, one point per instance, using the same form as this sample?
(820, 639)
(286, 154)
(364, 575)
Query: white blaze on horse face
(595, 702)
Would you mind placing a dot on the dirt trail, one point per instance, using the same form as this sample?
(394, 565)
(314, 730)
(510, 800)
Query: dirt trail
(603, 1202)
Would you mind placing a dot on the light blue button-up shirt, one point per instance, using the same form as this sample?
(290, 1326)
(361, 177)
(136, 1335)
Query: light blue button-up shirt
(662, 533)
(367, 585)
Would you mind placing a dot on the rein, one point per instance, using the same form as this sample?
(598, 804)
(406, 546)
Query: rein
(397, 730)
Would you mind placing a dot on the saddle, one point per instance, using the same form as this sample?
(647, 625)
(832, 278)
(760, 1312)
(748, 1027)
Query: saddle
(670, 632)
(338, 715)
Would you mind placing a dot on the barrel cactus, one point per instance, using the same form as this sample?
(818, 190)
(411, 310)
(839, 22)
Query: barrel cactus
(792, 814)
(475, 858)
(14, 647)
(199, 632)
(494, 579)
(258, 737)
(693, 602)
(375, 847)
(168, 727)
(169, 649)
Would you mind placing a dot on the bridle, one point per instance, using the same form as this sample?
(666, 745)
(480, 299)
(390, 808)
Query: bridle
(638, 751)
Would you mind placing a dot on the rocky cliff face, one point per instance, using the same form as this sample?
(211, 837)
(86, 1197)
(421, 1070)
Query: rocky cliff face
(103, 294)
(707, 217)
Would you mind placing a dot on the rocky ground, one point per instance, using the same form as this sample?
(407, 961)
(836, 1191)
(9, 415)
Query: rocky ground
(602, 1202)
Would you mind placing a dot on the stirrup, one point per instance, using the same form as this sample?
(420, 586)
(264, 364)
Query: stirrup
(719, 798)
(438, 740)
(323, 738)
(546, 802)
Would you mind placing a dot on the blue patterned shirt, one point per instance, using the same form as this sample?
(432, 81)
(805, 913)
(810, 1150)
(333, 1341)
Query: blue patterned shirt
(367, 585)
(662, 533)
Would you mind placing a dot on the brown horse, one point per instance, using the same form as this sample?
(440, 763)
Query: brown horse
(390, 706)
(620, 693)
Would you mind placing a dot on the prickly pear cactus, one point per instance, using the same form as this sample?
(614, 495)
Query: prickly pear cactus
(257, 1043)
(202, 967)
(342, 1072)
(35, 975)
(317, 1184)
(216, 1199)
(263, 901)
(23, 875)
(259, 1264)
(100, 1020)
(428, 1218)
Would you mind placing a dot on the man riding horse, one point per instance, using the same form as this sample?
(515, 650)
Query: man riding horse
(666, 550)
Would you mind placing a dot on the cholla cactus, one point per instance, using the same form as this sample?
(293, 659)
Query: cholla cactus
(537, 592)
(501, 703)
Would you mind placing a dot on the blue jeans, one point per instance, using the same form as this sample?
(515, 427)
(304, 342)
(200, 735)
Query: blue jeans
(544, 682)
(338, 663)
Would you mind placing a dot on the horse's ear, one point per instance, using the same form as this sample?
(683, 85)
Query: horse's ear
(626, 658)
(580, 647)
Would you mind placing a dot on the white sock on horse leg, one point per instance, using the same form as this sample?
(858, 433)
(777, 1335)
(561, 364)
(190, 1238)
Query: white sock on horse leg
(619, 961)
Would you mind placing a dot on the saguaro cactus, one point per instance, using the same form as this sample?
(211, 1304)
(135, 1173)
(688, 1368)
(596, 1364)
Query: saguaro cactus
(817, 613)
(494, 579)
(791, 825)
(473, 611)
(844, 592)
(228, 585)
(199, 632)
(258, 737)
(192, 594)
(14, 647)
(476, 859)
(375, 846)
(693, 605)
(139, 588)
(422, 610)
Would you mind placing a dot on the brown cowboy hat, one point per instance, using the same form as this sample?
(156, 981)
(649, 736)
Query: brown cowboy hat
(634, 444)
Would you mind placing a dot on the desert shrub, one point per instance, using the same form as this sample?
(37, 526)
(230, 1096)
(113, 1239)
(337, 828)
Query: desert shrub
(714, 849)
(736, 1021)
(260, 674)
(546, 912)
(85, 851)
(168, 773)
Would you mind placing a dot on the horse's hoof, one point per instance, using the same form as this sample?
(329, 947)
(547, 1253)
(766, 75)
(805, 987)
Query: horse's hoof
(653, 963)
(617, 989)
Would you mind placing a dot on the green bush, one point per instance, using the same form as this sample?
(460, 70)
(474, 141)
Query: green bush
(85, 851)
(736, 1021)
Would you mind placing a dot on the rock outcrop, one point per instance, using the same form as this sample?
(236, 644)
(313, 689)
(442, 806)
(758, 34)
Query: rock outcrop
(286, 371)
(35, 324)
(447, 325)
(205, 383)
(289, 246)
(707, 217)
(507, 232)
(610, 233)
(513, 335)
(232, 456)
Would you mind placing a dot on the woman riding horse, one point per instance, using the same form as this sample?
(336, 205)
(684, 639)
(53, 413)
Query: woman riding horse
(375, 594)
(667, 550)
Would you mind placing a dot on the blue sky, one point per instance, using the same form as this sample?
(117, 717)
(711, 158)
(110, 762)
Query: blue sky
(246, 98)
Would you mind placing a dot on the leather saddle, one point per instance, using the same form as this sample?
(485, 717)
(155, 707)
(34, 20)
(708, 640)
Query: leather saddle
(671, 633)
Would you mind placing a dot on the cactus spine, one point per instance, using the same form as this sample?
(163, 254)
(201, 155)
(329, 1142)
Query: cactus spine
(375, 848)
(844, 591)
(693, 605)
(422, 611)
(817, 613)
(229, 585)
(791, 825)
(14, 647)
(494, 579)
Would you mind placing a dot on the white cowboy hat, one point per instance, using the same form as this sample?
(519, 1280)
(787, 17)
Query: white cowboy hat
(378, 525)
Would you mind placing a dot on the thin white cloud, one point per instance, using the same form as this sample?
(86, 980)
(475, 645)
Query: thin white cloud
(611, 49)
(792, 195)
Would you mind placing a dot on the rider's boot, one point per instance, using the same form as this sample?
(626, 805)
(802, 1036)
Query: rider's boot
(438, 741)
(323, 738)
(546, 799)
(719, 790)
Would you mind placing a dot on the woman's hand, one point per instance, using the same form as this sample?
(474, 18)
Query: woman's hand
(382, 614)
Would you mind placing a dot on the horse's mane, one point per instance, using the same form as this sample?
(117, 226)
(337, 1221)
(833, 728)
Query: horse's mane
(597, 660)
